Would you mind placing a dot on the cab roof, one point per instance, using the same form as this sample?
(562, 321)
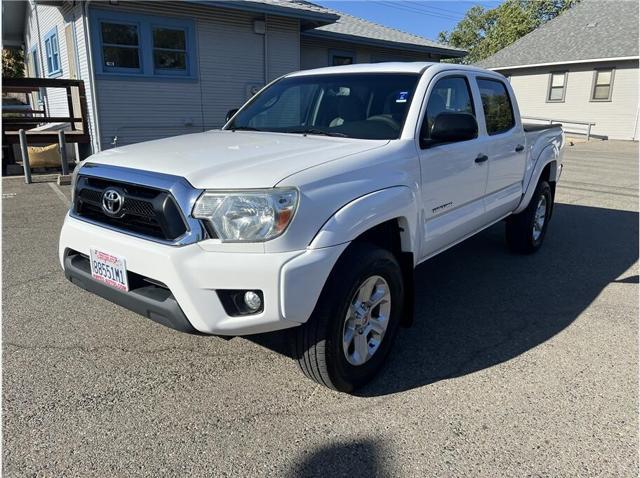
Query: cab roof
(417, 67)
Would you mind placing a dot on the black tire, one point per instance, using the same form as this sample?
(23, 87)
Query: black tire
(520, 227)
(318, 342)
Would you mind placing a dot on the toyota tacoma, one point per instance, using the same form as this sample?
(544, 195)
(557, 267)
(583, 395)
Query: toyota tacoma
(311, 207)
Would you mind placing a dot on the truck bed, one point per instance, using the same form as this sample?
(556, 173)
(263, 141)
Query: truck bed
(529, 127)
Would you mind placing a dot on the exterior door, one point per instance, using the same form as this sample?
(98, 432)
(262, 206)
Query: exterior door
(506, 151)
(453, 180)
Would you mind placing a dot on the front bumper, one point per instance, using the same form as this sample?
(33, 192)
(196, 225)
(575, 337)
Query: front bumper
(291, 282)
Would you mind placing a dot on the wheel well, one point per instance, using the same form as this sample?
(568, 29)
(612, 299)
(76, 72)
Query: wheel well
(549, 172)
(392, 235)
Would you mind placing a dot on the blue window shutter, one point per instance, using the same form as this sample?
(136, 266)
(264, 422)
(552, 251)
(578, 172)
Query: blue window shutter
(52, 51)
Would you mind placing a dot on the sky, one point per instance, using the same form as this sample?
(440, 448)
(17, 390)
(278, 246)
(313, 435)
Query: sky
(422, 17)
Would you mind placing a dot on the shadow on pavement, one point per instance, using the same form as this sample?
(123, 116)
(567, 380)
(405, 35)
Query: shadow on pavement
(352, 458)
(477, 305)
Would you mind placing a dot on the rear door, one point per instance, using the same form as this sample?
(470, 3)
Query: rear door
(505, 147)
(453, 179)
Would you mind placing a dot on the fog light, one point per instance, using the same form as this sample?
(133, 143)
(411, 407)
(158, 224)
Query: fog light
(252, 300)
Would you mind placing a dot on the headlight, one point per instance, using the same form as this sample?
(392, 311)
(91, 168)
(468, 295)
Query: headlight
(250, 216)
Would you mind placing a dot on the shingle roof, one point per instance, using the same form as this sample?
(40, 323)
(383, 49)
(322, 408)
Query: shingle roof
(294, 8)
(590, 30)
(354, 28)
(328, 23)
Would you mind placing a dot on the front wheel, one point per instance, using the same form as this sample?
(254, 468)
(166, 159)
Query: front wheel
(349, 335)
(525, 231)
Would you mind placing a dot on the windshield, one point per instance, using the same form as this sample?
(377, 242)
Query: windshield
(365, 106)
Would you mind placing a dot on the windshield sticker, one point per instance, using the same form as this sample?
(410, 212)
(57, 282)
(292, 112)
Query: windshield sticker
(402, 97)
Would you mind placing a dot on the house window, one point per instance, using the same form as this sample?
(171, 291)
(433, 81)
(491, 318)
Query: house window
(142, 45)
(52, 52)
(339, 57)
(120, 46)
(557, 87)
(169, 49)
(602, 85)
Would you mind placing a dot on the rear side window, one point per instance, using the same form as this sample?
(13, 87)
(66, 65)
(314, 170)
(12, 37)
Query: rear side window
(498, 112)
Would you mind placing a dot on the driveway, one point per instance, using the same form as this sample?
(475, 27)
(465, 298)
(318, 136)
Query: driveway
(516, 366)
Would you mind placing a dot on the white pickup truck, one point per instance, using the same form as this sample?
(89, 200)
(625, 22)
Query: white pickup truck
(312, 206)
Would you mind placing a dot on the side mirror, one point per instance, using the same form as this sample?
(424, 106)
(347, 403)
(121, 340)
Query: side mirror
(451, 127)
(230, 114)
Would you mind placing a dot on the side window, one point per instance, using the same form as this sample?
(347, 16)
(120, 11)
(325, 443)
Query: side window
(602, 85)
(341, 57)
(450, 95)
(141, 45)
(557, 86)
(52, 52)
(498, 112)
(120, 46)
(170, 50)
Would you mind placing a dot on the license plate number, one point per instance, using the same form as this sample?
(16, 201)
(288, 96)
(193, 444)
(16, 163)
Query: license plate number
(109, 269)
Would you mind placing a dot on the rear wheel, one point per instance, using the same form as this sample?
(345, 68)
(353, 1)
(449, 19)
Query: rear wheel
(525, 231)
(349, 335)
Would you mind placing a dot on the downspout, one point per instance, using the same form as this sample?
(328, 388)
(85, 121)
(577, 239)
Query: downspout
(92, 78)
(266, 51)
(635, 127)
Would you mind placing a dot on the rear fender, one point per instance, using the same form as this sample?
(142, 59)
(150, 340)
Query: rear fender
(549, 155)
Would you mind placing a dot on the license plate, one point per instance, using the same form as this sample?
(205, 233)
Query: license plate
(109, 269)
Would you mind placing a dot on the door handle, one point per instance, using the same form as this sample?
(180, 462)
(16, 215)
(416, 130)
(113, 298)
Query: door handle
(482, 158)
(519, 148)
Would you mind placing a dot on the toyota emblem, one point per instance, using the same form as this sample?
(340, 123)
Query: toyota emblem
(112, 202)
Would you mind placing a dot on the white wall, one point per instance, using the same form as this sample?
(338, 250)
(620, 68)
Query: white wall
(230, 60)
(615, 119)
(37, 26)
(315, 53)
(39, 21)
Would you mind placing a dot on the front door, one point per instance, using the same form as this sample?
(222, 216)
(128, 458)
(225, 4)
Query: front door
(454, 174)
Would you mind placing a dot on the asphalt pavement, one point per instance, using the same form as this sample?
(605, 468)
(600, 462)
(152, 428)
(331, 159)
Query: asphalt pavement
(515, 366)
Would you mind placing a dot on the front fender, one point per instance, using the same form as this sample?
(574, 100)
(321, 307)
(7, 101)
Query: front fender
(368, 211)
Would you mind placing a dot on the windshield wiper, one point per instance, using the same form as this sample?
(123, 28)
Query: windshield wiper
(316, 131)
(244, 128)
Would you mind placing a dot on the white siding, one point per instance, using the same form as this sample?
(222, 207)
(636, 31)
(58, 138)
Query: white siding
(231, 60)
(283, 38)
(36, 28)
(615, 119)
(315, 53)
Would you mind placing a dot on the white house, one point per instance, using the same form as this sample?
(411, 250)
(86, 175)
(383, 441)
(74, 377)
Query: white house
(580, 67)
(154, 69)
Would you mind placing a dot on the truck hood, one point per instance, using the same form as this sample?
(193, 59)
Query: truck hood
(226, 159)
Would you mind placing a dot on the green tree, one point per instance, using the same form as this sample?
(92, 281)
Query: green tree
(12, 63)
(483, 32)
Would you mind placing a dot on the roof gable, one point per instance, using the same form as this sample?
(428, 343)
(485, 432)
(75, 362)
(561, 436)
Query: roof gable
(590, 30)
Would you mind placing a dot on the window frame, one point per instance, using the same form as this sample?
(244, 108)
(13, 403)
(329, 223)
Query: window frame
(33, 51)
(564, 86)
(188, 60)
(146, 25)
(427, 97)
(594, 85)
(345, 53)
(50, 40)
(484, 116)
(120, 69)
